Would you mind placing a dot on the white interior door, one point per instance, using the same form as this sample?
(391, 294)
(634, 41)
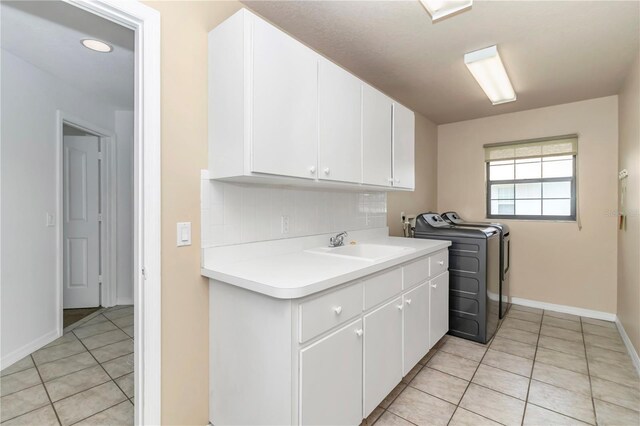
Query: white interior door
(81, 229)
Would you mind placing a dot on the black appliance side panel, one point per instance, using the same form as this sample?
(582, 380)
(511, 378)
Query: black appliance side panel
(494, 283)
(467, 287)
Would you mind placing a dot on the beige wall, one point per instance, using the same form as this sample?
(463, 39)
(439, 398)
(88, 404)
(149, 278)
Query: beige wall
(423, 198)
(185, 350)
(629, 239)
(552, 262)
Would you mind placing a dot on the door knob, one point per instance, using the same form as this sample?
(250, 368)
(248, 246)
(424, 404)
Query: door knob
(312, 169)
(408, 301)
(400, 307)
(397, 180)
(441, 262)
(359, 332)
(327, 171)
(434, 285)
(337, 310)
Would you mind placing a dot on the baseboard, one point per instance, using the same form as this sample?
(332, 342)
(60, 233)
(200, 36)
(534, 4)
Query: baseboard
(606, 316)
(27, 349)
(627, 342)
(124, 301)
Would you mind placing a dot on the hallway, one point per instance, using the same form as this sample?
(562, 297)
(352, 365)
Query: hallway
(84, 377)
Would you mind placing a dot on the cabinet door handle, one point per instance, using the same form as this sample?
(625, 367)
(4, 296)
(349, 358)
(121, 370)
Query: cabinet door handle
(434, 285)
(408, 301)
(400, 307)
(441, 262)
(312, 170)
(327, 171)
(337, 310)
(359, 332)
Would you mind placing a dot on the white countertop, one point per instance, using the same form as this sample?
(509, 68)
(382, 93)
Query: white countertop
(299, 273)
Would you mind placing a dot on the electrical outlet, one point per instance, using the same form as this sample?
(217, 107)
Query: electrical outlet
(284, 224)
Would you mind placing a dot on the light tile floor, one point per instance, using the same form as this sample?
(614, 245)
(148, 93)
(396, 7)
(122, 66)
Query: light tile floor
(85, 377)
(541, 368)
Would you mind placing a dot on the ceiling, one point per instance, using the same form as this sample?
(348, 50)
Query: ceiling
(554, 51)
(48, 33)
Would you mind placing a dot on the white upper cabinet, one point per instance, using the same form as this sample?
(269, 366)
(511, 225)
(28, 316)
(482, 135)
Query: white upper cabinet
(339, 112)
(285, 104)
(376, 137)
(404, 126)
(280, 113)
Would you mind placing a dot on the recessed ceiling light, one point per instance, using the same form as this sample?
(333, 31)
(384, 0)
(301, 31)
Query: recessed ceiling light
(488, 70)
(97, 45)
(438, 9)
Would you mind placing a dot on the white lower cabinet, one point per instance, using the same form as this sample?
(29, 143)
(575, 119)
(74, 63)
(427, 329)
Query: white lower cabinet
(416, 326)
(325, 359)
(438, 308)
(331, 378)
(382, 353)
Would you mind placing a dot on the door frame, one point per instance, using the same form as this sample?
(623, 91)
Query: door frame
(108, 203)
(145, 22)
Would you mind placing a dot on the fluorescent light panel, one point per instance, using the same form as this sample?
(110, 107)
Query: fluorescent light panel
(487, 68)
(438, 9)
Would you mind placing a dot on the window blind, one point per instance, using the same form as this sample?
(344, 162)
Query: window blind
(532, 148)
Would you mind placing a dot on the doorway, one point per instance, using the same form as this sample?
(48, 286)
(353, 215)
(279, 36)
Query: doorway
(32, 216)
(81, 223)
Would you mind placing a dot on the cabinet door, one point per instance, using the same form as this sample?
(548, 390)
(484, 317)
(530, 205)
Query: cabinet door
(285, 104)
(382, 353)
(376, 137)
(403, 147)
(340, 108)
(331, 379)
(438, 308)
(416, 326)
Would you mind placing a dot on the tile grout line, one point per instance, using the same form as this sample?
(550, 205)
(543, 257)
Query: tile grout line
(500, 324)
(42, 382)
(98, 412)
(533, 366)
(69, 356)
(586, 356)
(114, 379)
(46, 391)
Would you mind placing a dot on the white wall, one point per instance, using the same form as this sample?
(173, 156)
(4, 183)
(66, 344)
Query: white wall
(552, 262)
(30, 99)
(242, 213)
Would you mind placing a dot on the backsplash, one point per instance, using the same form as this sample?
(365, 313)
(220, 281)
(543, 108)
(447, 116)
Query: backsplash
(241, 213)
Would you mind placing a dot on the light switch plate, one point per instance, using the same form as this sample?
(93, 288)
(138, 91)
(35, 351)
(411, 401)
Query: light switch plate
(184, 234)
(49, 220)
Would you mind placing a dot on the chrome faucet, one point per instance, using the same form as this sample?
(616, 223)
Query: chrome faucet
(338, 240)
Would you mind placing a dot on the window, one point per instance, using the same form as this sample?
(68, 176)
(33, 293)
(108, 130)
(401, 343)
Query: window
(532, 179)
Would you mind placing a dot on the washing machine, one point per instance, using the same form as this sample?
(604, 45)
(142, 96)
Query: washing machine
(474, 275)
(505, 254)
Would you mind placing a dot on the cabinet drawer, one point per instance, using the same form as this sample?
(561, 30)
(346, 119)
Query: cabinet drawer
(439, 263)
(327, 311)
(382, 287)
(416, 272)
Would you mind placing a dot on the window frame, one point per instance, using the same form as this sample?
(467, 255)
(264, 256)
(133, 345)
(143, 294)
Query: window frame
(489, 183)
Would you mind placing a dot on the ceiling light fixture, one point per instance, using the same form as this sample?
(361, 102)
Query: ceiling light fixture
(97, 45)
(487, 68)
(439, 9)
